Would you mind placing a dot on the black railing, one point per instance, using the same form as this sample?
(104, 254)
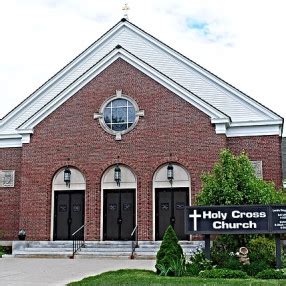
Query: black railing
(134, 238)
(77, 240)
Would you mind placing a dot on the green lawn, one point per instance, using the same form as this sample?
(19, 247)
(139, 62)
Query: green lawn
(145, 277)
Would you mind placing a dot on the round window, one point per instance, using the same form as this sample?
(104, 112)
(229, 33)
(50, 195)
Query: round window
(119, 114)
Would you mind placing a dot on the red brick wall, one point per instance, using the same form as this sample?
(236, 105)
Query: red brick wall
(170, 125)
(10, 159)
(71, 136)
(261, 148)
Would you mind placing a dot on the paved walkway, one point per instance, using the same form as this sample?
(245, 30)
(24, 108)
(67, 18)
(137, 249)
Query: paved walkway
(37, 271)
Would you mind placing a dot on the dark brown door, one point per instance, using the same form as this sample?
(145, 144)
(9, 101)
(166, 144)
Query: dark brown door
(69, 214)
(170, 205)
(119, 214)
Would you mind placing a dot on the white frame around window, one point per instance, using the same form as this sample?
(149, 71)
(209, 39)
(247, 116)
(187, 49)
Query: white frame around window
(100, 114)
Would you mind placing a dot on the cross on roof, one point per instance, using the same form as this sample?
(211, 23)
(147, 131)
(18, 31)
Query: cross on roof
(125, 9)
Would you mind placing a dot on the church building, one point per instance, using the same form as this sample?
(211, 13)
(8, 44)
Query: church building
(119, 138)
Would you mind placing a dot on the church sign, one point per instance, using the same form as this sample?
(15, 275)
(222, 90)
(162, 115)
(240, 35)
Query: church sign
(244, 219)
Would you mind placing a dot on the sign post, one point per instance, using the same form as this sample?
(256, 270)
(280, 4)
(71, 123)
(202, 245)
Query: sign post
(208, 246)
(278, 251)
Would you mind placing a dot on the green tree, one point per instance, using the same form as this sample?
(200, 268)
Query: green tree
(170, 256)
(233, 182)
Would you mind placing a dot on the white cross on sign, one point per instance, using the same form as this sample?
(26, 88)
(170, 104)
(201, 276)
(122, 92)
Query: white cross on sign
(195, 216)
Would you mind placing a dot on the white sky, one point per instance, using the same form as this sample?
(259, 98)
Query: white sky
(241, 41)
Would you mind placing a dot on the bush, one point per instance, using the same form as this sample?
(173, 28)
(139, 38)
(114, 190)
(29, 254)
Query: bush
(271, 274)
(231, 262)
(255, 267)
(170, 258)
(198, 262)
(223, 273)
(262, 249)
(5, 250)
(192, 269)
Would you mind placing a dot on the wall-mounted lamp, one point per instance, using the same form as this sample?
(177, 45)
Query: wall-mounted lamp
(170, 173)
(117, 175)
(67, 176)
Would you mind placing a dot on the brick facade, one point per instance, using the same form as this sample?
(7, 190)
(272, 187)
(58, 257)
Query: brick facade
(262, 148)
(71, 136)
(10, 159)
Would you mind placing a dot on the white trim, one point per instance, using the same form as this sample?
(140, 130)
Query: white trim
(205, 73)
(220, 128)
(11, 142)
(256, 123)
(100, 42)
(262, 130)
(116, 54)
(58, 77)
(118, 94)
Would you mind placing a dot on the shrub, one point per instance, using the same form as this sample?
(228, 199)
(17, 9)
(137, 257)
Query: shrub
(222, 252)
(170, 255)
(192, 269)
(198, 262)
(255, 267)
(5, 250)
(262, 249)
(231, 262)
(223, 273)
(270, 274)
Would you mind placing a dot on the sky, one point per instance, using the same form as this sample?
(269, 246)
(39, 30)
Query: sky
(241, 41)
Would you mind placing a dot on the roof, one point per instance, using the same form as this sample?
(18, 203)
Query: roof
(233, 112)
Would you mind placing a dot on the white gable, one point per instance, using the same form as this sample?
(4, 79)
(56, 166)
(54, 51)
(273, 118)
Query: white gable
(234, 113)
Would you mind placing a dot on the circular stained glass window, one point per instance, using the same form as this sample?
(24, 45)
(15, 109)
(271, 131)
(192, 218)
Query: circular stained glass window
(119, 114)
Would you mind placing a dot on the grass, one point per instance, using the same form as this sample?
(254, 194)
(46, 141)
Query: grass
(145, 277)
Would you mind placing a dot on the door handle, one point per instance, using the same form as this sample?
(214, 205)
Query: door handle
(69, 220)
(172, 219)
(119, 220)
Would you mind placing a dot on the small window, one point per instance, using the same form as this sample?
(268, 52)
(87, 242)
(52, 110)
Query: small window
(257, 166)
(119, 114)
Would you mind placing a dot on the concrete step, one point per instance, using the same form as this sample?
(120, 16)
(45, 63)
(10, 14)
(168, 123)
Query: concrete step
(92, 249)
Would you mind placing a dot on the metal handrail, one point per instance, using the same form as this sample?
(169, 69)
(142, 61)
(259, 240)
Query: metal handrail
(78, 230)
(134, 238)
(134, 230)
(77, 241)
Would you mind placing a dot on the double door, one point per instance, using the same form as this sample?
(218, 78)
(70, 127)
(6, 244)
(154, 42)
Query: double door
(170, 204)
(119, 214)
(68, 214)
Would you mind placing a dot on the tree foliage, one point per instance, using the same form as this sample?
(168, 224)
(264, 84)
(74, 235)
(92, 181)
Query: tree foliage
(233, 182)
(170, 253)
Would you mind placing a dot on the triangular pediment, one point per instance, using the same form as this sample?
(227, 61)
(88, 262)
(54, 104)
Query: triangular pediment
(226, 106)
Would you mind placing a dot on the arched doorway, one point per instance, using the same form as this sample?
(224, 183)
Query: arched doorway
(118, 204)
(68, 204)
(169, 201)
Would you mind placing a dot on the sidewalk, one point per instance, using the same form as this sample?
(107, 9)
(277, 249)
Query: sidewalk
(37, 271)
